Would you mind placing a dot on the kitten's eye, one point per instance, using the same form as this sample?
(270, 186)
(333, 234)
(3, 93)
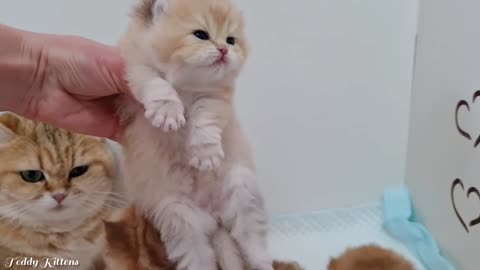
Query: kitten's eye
(203, 35)
(77, 171)
(32, 176)
(231, 40)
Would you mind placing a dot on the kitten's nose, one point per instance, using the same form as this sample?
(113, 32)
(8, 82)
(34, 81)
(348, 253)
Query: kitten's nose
(223, 50)
(59, 197)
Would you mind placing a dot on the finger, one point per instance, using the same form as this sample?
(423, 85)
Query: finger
(96, 118)
(113, 70)
(91, 78)
(87, 69)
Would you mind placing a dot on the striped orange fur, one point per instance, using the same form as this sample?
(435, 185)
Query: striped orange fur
(32, 223)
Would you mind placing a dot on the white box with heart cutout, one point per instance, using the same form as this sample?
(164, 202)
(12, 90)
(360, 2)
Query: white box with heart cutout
(443, 164)
(342, 120)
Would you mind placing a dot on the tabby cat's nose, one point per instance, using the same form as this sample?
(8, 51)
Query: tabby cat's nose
(59, 197)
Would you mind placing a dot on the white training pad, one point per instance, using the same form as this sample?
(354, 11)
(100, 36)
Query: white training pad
(312, 239)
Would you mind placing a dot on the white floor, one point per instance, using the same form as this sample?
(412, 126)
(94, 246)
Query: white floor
(312, 239)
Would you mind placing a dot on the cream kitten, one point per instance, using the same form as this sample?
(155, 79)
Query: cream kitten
(188, 163)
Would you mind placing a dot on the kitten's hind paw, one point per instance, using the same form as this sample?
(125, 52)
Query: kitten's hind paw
(206, 157)
(167, 115)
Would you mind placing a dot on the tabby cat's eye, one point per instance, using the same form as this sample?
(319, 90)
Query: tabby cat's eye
(32, 176)
(231, 40)
(203, 35)
(77, 171)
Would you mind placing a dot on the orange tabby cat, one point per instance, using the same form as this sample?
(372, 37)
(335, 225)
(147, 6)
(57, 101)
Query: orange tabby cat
(134, 244)
(369, 258)
(55, 190)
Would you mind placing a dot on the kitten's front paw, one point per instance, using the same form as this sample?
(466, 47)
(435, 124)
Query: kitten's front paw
(167, 115)
(206, 157)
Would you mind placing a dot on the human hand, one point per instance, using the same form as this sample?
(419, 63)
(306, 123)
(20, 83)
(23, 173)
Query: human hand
(69, 82)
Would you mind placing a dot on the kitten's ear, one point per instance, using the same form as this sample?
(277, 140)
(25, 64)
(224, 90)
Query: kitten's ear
(159, 8)
(7, 122)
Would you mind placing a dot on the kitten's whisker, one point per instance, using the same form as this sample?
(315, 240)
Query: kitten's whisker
(106, 195)
(92, 205)
(107, 202)
(102, 199)
(14, 214)
(9, 206)
(99, 197)
(18, 201)
(16, 221)
(112, 194)
(117, 201)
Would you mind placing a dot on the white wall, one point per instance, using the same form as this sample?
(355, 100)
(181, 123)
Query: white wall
(324, 98)
(446, 72)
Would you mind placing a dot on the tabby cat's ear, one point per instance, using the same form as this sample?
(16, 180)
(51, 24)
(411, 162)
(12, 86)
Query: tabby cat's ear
(7, 120)
(6, 134)
(159, 7)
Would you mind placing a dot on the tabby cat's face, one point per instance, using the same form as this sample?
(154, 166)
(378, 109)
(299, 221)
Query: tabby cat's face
(51, 176)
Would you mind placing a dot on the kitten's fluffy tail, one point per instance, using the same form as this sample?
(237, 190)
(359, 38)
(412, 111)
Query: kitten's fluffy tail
(227, 252)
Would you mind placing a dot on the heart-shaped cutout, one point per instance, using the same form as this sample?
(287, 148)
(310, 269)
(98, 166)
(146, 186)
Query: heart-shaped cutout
(470, 191)
(467, 134)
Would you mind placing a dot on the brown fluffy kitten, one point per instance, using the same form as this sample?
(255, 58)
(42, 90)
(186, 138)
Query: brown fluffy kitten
(134, 244)
(56, 189)
(370, 258)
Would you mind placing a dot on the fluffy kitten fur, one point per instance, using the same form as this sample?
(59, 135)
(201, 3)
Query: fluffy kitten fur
(32, 222)
(132, 243)
(370, 258)
(189, 167)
